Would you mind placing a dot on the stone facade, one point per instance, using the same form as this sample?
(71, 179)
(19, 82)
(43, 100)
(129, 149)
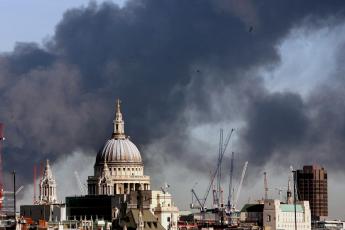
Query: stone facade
(119, 168)
(160, 203)
(47, 190)
(277, 215)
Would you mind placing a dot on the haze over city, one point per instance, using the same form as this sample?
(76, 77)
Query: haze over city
(271, 70)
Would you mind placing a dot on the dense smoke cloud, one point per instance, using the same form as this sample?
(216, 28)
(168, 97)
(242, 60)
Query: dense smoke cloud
(175, 65)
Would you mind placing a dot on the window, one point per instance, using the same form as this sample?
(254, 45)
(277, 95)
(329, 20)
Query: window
(268, 218)
(168, 219)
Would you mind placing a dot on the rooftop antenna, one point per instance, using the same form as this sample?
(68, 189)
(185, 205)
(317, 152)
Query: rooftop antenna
(35, 169)
(165, 187)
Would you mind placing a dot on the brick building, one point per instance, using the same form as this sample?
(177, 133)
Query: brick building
(312, 186)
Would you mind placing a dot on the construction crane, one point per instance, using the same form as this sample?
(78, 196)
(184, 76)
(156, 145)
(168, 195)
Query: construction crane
(214, 196)
(217, 173)
(18, 190)
(192, 205)
(222, 149)
(289, 192)
(81, 187)
(265, 185)
(294, 177)
(230, 182)
(241, 182)
(280, 190)
(201, 207)
(2, 138)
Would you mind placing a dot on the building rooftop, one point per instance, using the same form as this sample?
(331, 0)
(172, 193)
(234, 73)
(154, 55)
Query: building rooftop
(291, 208)
(253, 208)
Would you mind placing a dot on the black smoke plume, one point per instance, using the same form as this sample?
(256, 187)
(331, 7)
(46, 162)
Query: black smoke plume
(171, 63)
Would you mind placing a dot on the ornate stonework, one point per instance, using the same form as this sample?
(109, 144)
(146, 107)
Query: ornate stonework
(47, 191)
(118, 168)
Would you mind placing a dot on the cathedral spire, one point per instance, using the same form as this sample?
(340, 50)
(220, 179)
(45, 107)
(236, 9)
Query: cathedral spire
(119, 124)
(47, 171)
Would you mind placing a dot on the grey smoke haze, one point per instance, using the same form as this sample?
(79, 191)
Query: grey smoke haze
(182, 69)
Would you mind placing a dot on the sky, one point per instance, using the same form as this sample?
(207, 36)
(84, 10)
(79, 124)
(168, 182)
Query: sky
(33, 21)
(271, 70)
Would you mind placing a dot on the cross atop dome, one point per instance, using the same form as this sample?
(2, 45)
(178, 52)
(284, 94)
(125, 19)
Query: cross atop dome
(118, 102)
(119, 124)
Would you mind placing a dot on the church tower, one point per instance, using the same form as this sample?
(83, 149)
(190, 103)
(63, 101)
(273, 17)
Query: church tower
(47, 191)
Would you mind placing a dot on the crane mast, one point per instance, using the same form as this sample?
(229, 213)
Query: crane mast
(230, 182)
(217, 174)
(241, 182)
(81, 187)
(2, 138)
(265, 185)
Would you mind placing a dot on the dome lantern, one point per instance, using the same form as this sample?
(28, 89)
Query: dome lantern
(118, 149)
(119, 124)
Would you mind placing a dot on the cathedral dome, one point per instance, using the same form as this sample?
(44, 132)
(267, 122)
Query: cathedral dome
(119, 151)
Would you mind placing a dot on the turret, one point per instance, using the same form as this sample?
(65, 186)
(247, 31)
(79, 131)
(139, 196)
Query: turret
(119, 124)
(47, 187)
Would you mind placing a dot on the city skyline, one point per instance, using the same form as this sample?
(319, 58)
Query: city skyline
(272, 71)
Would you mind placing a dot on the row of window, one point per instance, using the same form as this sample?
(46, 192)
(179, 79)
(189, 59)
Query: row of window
(123, 169)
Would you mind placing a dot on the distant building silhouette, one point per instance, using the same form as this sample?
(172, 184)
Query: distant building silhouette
(312, 186)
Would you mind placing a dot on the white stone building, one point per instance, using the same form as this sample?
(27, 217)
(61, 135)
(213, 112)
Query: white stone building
(277, 215)
(119, 168)
(47, 190)
(46, 208)
(160, 203)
